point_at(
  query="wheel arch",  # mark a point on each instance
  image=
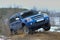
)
(23, 24)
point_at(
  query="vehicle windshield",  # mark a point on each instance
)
(30, 13)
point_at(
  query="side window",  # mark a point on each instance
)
(12, 20)
(16, 18)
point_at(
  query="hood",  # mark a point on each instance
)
(34, 18)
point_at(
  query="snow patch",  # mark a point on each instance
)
(53, 29)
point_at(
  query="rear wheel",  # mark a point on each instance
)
(13, 31)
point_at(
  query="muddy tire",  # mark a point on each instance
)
(13, 32)
(47, 27)
(25, 30)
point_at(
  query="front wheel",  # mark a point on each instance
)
(47, 27)
(26, 30)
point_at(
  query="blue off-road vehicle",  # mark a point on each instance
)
(29, 21)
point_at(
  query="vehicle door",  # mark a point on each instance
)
(16, 23)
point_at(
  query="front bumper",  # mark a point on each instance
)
(38, 25)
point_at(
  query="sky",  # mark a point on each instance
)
(40, 4)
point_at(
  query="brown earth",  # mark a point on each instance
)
(38, 36)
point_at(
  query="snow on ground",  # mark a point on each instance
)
(2, 37)
(53, 29)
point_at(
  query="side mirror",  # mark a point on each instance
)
(17, 18)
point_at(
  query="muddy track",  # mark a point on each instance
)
(38, 36)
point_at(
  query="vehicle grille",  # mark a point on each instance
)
(38, 23)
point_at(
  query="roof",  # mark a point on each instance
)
(18, 13)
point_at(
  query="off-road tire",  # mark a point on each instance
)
(26, 30)
(47, 27)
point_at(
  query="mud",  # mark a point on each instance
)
(37, 36)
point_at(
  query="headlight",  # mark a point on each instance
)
(47, 18)
(28, 19)
(31, 23)
(39, 12)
